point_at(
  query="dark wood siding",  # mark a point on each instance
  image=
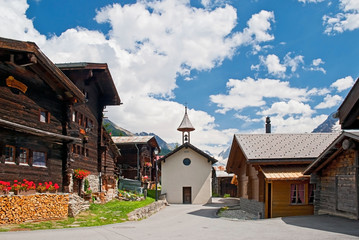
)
(338, 191)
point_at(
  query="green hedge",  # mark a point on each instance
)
(152, 193)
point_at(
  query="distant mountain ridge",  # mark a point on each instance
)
(117, 131)
(331, 124)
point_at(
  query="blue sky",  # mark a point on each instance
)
(232, 62)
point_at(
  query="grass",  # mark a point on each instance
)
(114, 211)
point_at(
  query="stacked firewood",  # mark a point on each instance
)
(17, 209)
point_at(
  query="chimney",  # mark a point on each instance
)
(268, 125)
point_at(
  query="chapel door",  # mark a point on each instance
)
(187, 195)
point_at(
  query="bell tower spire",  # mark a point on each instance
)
(185, 127)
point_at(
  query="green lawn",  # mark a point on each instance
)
(114, 211)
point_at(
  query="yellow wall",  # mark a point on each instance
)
(281, 206)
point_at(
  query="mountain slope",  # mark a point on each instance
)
(331, 124)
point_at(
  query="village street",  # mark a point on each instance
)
(201, 222)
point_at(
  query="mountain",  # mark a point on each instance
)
(119, 131)
(225, 153)
(331, 124)
(165, 147)
(114, 129)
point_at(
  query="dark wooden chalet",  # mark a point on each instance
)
(35, 98)
(137, 156)
(335, 171)
(269, 170)
(95, 82)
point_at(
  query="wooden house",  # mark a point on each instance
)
(95, 82)
(35, 99)
(335, 171)
(222, 182)
(269, 170)
(137, 156)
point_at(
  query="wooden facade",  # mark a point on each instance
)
(96, 150)
(335, 174)
(270, 181)
(137, 156)
(51, 118)
(34, 97)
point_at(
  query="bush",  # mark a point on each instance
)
(226, 195)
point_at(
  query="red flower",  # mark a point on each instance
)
(15, 180)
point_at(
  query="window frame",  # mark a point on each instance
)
(26, 157)
(33, 158)
(297, 194)
(46, 114)
(13, 153)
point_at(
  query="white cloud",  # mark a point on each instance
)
(296, 124)
(273, 65)
(277, 69)
(343, 83)
(310, 1)
(317, 62)
(252, 93)
(149, 45)
(346, 20)
(288, 108)
(329, 101)
(315, 66)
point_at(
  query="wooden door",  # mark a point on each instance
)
(187, 195)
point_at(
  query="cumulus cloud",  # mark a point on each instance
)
(343, 83)
(315, 66)
(329, 101)
(288, 108)
(346, 20)
(310, 1)
(150, 44)
(253, 93)
(274, 66)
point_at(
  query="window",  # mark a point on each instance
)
(24, 155)
(79, 120)
(44, 116)
(74, 113)
(311, 193)
(9, 153)
(297, 194)
(38, 158)
(186, 161)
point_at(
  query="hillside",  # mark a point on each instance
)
(118, 131)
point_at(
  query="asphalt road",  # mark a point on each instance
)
(200, 222)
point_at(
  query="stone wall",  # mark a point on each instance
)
(18, 209)
(147, 211)
(252, 206)
(76, 205)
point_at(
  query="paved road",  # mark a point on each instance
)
(200, 222)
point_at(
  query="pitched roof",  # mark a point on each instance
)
(331, 150)
(186, 124)
(38, 66)
(284, 172)
(348, 112)
(126, 140)
(269, 147)
(188, 145)
(99, 71)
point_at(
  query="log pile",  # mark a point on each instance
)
(39, 207)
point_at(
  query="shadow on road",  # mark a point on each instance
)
(325, 223)
(208, 213)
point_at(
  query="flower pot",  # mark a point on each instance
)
(29, 192)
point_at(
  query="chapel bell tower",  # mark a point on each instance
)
(185, 127)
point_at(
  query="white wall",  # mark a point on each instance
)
(175, 175)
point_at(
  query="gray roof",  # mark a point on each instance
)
(284, 146)
(186, 124)
(331, 150)
(132, 139)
